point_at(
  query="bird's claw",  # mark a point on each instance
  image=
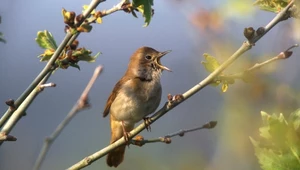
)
(147, 121)
(126, 135)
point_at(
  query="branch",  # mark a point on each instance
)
(171, 104)
(282, 55)
(81, 104)
(50, 65)
(140, 141)
(19, 112)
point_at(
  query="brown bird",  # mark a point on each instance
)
(136, 95)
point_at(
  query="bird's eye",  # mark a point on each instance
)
(148, 57)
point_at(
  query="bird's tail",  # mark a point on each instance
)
(115, 157)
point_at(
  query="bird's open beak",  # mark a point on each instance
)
(158, 63)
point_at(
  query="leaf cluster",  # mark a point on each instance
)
(144, 7)
(272, 5)
(278, 5)
(278, 146)
(70, 56)
(71, 20)
(211, 64)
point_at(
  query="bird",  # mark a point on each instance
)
(136, 95)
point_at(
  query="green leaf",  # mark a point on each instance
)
(210, 63)
(279, 148)
(295, 119)
(265, 117)
(46, 55)
(224, 87)
(271, 5)
(45, 40)
(85, 55)
(74, 65)
(144, 7)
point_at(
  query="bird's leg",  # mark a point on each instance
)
(126, 134)
(147, 121)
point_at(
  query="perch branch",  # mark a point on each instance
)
(81, 104)
(170, 105)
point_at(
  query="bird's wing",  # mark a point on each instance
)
(113, 95)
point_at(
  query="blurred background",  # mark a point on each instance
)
(189, 29)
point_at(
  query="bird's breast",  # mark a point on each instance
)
(135, 100)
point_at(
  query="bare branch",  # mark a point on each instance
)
(81, 104)
(140, 141)
(282, 55)
(169, 106)
(116, 8)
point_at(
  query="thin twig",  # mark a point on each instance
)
(167, 107)
(49, 67)
(140, 141)
(81, 104)
(282, 55)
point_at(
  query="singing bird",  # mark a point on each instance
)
(136, 95)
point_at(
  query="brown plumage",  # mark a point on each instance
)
(136, 95)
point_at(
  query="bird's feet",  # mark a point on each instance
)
(126, 135)
(147, 121)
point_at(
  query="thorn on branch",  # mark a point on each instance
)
(84, 103)
(11, 104)
(4, 137)
(43, 86)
